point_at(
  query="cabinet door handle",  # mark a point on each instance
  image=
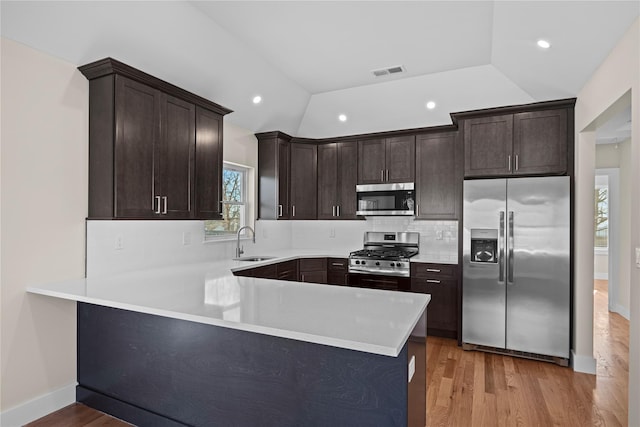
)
(157, 204)
(293, 210)
(387, 175)
(164, 205)
(279, 210)
(509, 162)
(338, 210)
(302, 277)
(417, 210)
(382, 175)
(433, 281)
(516, 162)
(433, 270)
(333, 211)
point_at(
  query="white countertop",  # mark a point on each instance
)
(369, 320)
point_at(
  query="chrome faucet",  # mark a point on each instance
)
(240, 250)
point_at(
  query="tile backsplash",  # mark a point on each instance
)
(119, 246)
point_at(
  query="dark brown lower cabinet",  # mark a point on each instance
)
(287, 270)
(264, 272)
(313, 270)
(441, 282)
(337, 271)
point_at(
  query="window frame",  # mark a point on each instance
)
(243, 203)
(601, 249)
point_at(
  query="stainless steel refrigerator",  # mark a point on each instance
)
(516, 265)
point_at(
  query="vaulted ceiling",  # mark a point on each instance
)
(311, 61)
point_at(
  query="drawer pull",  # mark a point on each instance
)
(337, 264)
(433, 270)
(433, 281)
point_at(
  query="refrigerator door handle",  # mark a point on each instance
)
(510, 250)
(501, 249)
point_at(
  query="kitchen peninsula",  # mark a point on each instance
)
(195, 345)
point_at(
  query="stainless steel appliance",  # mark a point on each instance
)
(385, 199)
(516, 266)
(385, 253)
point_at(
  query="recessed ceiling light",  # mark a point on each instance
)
(257, 99)
(342, 118)
(431, 105)
(544, 44)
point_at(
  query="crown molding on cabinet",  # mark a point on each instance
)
(107, 66)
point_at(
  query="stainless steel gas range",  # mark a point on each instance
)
(385, 253)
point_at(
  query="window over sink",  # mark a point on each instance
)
(235, 181)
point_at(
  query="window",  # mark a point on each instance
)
(234, 203)
(601, 220)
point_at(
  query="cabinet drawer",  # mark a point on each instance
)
(426, 270)
(313, 264)
(337, 265)
(426, 286)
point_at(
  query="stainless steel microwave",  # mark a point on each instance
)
(385, 199)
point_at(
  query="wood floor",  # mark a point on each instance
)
(469, 388)
(482, 389)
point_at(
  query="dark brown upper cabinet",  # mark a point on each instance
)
(208, 162)
(438, 176)
(523, 143)
(273, 175)
(386, 160)
(155, 150)
(303, 185)
(337, 178)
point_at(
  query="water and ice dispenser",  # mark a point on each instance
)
(484, 245)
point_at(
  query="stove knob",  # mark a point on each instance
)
(362, 262)
(392, 265)
(377, 263)
(398, 264)
(357, 262)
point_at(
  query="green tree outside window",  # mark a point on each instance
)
(601, 220)
(234, 179)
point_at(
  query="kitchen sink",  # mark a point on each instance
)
(254, 258)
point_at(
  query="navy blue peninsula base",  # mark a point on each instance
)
(152, 370)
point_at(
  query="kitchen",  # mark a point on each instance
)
(63, 251)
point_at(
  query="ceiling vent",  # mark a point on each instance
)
(388, 71)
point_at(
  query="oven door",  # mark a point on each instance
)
(385, 199)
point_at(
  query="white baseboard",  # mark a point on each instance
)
(584, 364)
(622, 311)
(38, 407)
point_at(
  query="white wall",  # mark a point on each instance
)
(44, 202)
(618, 74)
(610, 156)
(44, 154)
